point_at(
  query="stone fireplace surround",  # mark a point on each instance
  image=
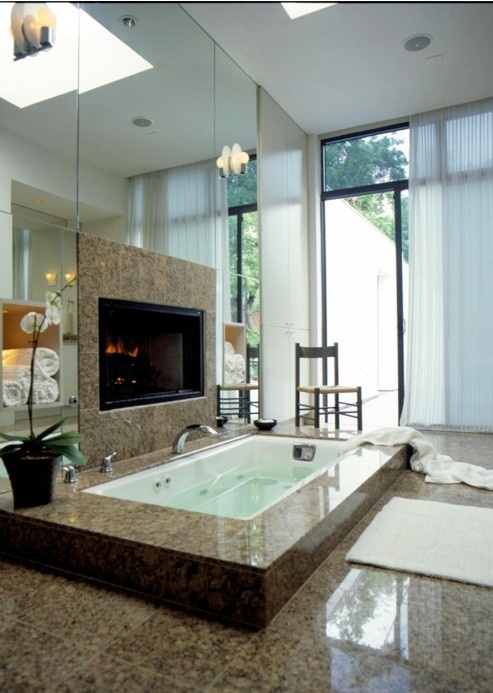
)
(129, 273)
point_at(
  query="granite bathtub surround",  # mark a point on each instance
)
(130, 273)
(235, 570)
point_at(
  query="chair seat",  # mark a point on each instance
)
(239, 386)
(328, 389)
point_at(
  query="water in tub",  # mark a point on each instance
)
(238, 479)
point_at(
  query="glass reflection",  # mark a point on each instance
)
(368, 616)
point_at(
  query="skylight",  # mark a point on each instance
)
(54, 72)
(299, 9)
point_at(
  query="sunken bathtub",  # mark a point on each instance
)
(235, 538)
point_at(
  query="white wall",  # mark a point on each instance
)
(361, 299)
(284, 266)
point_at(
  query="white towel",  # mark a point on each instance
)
(438, 469)
(45, 391)
(47, 361)
(12, 393)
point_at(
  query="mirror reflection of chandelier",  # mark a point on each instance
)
(33, 26)
(232, 161)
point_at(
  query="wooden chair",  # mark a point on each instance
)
(236, 399)
(320, 393)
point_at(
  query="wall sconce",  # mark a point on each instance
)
(50, 278)
(232, 161)
(69, 277)
(32, 26)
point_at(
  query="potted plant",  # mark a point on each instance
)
(32, 462)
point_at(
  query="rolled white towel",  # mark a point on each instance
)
(228, 348)
(229, 362)
(12, 393)
(239, 362)
(45, 391)
(20, 374)
(47, 361)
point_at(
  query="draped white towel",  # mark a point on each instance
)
(438, 468)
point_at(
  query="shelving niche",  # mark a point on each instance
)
(13, 337)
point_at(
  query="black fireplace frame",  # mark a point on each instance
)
(192, 317)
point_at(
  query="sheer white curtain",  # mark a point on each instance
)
(147, 212)
(22, 263)
(176, 212)
(449, 370)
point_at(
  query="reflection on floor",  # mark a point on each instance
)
(350, 628)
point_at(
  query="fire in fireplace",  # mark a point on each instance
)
(149, 353)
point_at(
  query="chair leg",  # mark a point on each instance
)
(316, 413)
(218, 403)
(297, 409)
(360, 409)
(336, 412)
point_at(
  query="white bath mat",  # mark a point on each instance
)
(429, 538)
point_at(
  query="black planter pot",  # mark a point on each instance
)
(32, 476)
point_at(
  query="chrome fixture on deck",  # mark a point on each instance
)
(304, 452)
(180, 439)
(106, 467)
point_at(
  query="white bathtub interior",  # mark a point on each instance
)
(238, 479)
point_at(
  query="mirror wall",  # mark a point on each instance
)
(71, 160)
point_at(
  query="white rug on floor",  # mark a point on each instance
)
(429, 538)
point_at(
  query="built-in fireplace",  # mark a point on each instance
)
(149, 353)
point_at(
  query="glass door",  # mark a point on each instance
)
(365, 267)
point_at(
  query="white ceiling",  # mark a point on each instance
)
(344, 66)
(338, 69)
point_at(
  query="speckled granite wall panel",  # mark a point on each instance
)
(128, 273)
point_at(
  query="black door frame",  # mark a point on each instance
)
(396, 188)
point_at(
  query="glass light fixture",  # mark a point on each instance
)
(32, 26)
(232, 161)
(51, 278)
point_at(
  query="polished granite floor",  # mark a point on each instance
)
(348, 629)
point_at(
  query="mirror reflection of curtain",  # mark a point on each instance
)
(22, 263)
(147, 212)
(449, 378)
(175, 212)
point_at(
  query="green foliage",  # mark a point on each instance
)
(242, 190)
(369, 161)
(364, 161)
(64, 443)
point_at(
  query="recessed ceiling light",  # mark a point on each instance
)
(417, 43)
(128, 20)
(142, 122)
(299, 9)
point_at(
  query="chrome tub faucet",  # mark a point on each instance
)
(180, 439)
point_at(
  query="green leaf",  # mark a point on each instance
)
(6, 436)
(71, 452)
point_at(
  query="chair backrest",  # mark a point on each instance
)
(252, 363)
(322, 352)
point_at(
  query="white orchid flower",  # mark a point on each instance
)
(33, 321)
(53, 307)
